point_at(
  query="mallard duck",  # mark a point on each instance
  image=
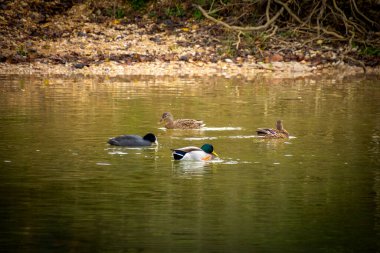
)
(204, 153)
(170, 123)
(133, 140)
(278, 133)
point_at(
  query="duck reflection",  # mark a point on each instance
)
(192, 168)
(118, 150)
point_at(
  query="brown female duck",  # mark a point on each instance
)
(277, 133)
(170, 123)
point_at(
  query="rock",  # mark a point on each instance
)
(80, 65)
(155, 39)
(300, 55)
(330, 55)
(239, 59)
(274, 58)
(18, 58)
(184, 58)
(277, 58)
(81, 34)
(3, 58)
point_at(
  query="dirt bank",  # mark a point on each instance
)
(81, 42)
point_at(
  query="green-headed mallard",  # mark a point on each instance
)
(170, 123)
(278, 133)
(204, 153)
(133, 140)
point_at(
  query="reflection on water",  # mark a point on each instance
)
(191, 168)
(64, 189)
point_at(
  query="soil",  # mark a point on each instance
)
(46, 40)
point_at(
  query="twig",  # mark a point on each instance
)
(212, 4)
(239, 40)
(350, 41)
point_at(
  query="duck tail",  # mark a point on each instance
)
(178, 154)
(264, 131)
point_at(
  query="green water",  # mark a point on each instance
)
(64, 189)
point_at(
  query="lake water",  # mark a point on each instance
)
(64, 189)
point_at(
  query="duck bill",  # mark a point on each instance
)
(156, 142)
(215, 154)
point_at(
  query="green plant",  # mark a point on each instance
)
(229, 48)
(176, 11)
(370, 51)
(138, 4)
(286, 34)
(21, 50)
(197, 14)
(119, 13)
(115, 12)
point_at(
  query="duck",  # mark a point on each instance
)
(133, 140)
(204, 153)
(170, 123)
(278, 133)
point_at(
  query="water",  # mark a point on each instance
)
(64, 189)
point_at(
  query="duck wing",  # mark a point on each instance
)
(180, 153)
(188, 149)
(272, 133)
(188, 123)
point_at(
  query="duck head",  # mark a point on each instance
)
(279, 125)
(281, 128)
(209, 149)
(151, 137)
(167, 116)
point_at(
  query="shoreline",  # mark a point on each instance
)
(181, 68)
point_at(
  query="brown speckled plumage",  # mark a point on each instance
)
(170, 123)
(277, 133)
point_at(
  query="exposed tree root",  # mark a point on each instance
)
(240, 28)
(325, 20)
